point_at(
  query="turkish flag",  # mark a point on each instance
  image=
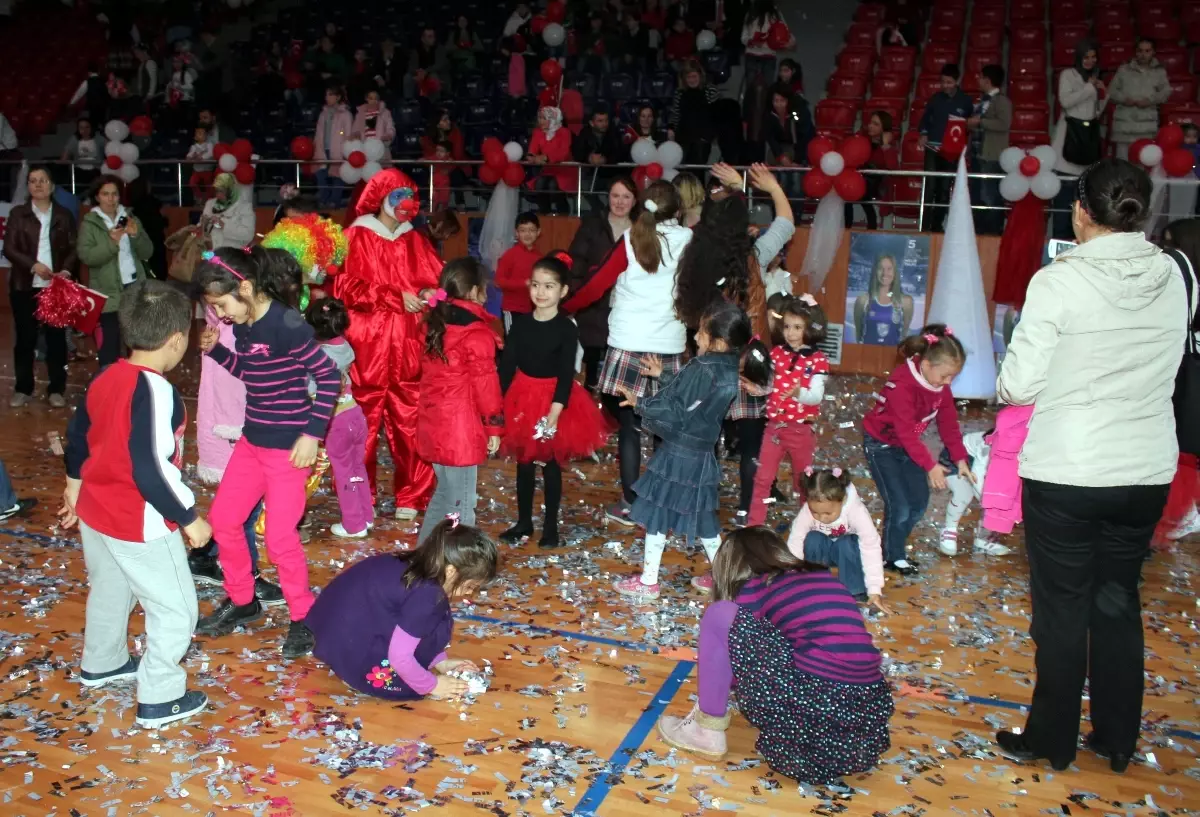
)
(95, 305)
(954, 139)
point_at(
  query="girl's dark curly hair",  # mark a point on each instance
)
(719, 261)
(459, 277)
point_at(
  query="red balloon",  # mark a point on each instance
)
(556, 12)
(244, 173)
(1178, 162)
(242, 149)
(489, 174)
(518, 43)
(496, 160)
(654, 171)
(513, 175)
(113, 162)
(551, 72)
(219, 150)
(491, 145)
(639, 178)
(816, 183)
(548, 96)
(538, 24)
(1169, 137)
(856, 150)
(1029, 166)
(850, 185)
(141, 126)
(778, 35)
(303, 148)
(1135, 149)
(293, 80)
(357, 159)
(818, 147)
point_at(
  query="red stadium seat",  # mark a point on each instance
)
(1178, 114)
(1023, 10)
(936, 55)
(1183, 90)
(1149, 10)
(893, 107)
(977, 59)
(1063, 55)
(989, 16)
(874, 13)
(861, 34)
(1027, 36)
(915, 111)
(928, 85)
(1111, 14)
(1174, 58)
(835, 113)
(846, 86)
(1031, 119)
(898, 58)
(1068, 10)
(1192, 34)
(889, 84)
(1114, 55)
(1190, 13)
(911, 153)
(985, 37)
(1165, 32)
(1027, 90)
(946, 33)
(856, 60)
(949, 15)
(1029, 140)
(1027, 63)
(1070, 32)
(1114, 31)
(906, 188)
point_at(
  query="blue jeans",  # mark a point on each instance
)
(904, 487)
(329, 188)
(8, 497)
(841, 552)
(251, 538)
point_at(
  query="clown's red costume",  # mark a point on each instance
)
(386, 260)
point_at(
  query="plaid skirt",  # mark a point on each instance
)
(746, 406)
(623, 368)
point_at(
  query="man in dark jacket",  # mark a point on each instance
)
(597, 145)
(947, 104)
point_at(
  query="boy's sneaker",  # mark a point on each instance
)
(902, 566)
(989, 545)
(339, 530)
(268, 593)
(948, 544)
(619, 512)
(299, 641)
(703, 583)
(1190, 525)
(228, 617)
(739, 519)
(632, 586)
(22, 508)
(406, 514)
(206, 570)
(152, 716)
(122, 673)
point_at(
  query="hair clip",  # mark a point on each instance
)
(808, 300)
(777, 316)
(948, 332)
(931, 338)
(288, 192)
(817, 326)
(453, 518)
(212, 258)
(325, 306)
(756, 354)
(808, 472)
(563, 256)
(837, 473)
(650, 206)
(721, 283)
(436, 297)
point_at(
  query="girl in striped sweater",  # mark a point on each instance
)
(274, 355)
(788, 635)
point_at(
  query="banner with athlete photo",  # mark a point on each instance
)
(886, 287)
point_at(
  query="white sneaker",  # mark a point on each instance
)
(1190, 525)
(339, 530)
(990, 547)
(406, 514)
(18, 400)
(948, 544)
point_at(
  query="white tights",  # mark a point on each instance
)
(962, 491)
(656, 543)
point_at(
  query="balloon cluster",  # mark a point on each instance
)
(501, 162)
(550, 24)
(237, 158)
(363, 158)
(835, 167)
(120, 155)
(654, 163)
(1165, 149)
(1029, 172)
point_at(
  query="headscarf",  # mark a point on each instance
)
(225, 183)
(553, 118)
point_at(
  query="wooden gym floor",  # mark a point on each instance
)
(580, 678)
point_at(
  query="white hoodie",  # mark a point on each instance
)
(1096, 352)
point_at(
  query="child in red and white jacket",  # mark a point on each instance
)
(460, 412)
(904, 469)
(515, 268)
(795, 400)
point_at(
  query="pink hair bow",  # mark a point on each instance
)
(837, 473)
(932, 338)
(436, 297)
(949, 331)
(808, 300)
(808, 472)
(453, 518)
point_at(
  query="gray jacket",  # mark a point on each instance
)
(996, 123)
(1133, 83)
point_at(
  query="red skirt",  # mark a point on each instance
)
(1181, 501)
(582, 427)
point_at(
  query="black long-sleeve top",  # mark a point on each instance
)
(541, 349)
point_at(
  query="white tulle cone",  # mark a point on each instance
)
(824, 238)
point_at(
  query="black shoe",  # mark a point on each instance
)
(549, 540)
(1017, 747)
(206, 570)
(902, 566)
(517, 532)
(777, 495)
(153, 716)
(122, 673)
(228, 617)
(1117, 761)
(267, 593)
(22, 508)
(299, 641)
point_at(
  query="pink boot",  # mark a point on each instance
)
(699, 734)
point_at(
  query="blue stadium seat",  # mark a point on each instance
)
(619, 87)
(582, 82)
(660, 85)
(407, 114)
(716, 63)
(472, 86)
(479, 112)
(408, 144)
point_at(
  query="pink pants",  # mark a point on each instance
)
(796, 441)
(344, 445)
(252, 474)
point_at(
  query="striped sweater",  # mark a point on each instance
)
(818, 615)
(274, 357)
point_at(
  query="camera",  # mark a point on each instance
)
(122, 222)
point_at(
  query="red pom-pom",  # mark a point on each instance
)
(817, 184)
(1029, 166)
(357, 159)
(62, 303)
(113, 162)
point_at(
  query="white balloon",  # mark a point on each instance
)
(112, 148)
(706, 40)
(370, 169)
(1151, 155)
(670, 155)
(669, 174)
(1010, 159)
(554, 35)
(1046, 155)
(1014, 187)
(514, 151)
(128, 173)
(643, 152)
(832, 163)
(349, 174)
(116, 130)
(374, 149)
(228, 163)
(1045, 185)
(128, 152)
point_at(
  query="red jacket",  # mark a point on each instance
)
(513, 272)
(460, 404)
(905, 407)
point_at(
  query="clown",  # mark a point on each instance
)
(390, 271)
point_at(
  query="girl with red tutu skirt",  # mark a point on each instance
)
(548, 417)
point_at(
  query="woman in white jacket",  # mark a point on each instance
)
(1080, 96)
(1096, 352)
(640, 271)
(228, 219)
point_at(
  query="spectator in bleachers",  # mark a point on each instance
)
(594, 46)
(441, 130)
(374, 121)
(654, 15)
(389, 68)
(787, 129)
(889, 34)
(517, 20)
(597, 145)
(85, 150)
(690, 120)
(325, 63)
(680, 44)
(1191, 141)
(949, 102)
(439, 227)
(643, 126)
(213, 61)
(551, 144)
(426, 68)
(463, 46)
(1138, 88)
(990, 124)
(337, 37)
(333, 129)
(218, 131)
(441, 175)
(360, 75)
(1082, 97)
(200, 156)
(181, 87)
(791, 75)
(884, 156)
(636, 54)
(759, 59)
(94, 91)
(145, 78)
(691, 198)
